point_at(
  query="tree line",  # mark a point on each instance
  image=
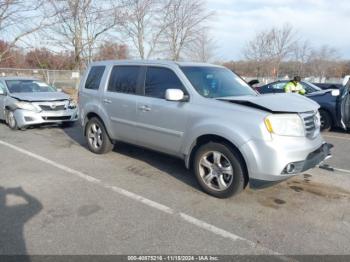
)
(280, 51)
(171, 29)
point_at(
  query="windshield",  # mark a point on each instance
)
(28, 86)
(315, 87)
(216, 82)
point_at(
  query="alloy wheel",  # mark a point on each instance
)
(216, 170)
(95, 136)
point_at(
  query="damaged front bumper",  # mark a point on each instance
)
(27, 118)
(312, 160)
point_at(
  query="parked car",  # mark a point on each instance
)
(204, 114)
(331, 101)
(326, 86)
(26, 102)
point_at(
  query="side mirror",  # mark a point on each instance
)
(174, 95)
(59, 90)
(2, 92)
(253, 82)
(335, 92)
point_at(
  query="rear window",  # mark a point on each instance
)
(94, 78)
(124, 79)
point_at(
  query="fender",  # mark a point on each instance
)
(235, 136)
(95, 108)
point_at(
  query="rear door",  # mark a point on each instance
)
(119, 101)
(161, 123)
(2, 100)
(344, 106)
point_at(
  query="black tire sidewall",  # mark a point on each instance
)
(107, 145)
(15, 127)
(67, 124)
(327, 120)
(236, 161)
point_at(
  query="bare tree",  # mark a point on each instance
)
(18, 20)
(202, 48)
(109, 51)
(283, 42)
(185, 20)
(302, 53)
(322, 61)
(271, 47)
(80, 24)
(144, 24)
(258, 50)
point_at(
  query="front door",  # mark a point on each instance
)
(119, 101)
(2, 100)
(161, 123)
(344, 106)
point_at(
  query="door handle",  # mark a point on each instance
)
(107, 101)
(145, 108)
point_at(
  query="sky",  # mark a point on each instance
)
(321, 22)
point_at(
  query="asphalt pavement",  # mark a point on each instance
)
(56, 197)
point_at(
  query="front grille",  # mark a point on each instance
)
(311, 123)
(58, 118)
(52, 108)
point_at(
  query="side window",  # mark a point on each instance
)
(94, 78)
(279, 86)
(158, 80)
(124, 79)
(2, 87)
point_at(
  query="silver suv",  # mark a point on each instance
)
(207, 116)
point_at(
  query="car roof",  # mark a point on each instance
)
(151, 62)
(18, 78)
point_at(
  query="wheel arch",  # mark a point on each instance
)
(329, 112)
(206, 138)
(91, 115)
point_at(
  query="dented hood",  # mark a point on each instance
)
(40, 97)
(283, 103)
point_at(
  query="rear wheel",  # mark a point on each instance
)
(326, 120)
(219, 170)
(97, 138)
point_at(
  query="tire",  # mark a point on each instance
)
(326, 120)
(11, 120)
(67, 124)
(219, 160)
(97, 138)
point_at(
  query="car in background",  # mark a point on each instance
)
(326, 86)
(334, 108)
(26, 102)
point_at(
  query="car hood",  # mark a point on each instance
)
(39, 97)
(275, 103)
(319, 93)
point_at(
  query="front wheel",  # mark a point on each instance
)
(11, 120)
(326, 120)
(219, 170)
(97, 138)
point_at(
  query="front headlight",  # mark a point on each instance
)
(72, 104)
(285, 125)
(26, 106)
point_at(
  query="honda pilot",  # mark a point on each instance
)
(229, 135)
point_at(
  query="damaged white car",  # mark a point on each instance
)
(27, 102)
